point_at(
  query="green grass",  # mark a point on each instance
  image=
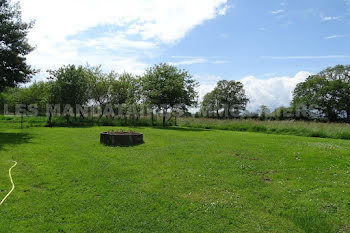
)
(298, 128)
(179, 180)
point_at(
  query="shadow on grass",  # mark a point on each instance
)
(13, 139)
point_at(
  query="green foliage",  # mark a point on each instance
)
(228, 96)
(13, 46)
(327, 92)
(168, 87)
(126, 93)
(283, 113)
(211, 104)
(70, 86)
(232, 96)
(264, 111)
(99, 85)
(35, 95)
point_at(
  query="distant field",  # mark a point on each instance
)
(297, 128)
(179, 180)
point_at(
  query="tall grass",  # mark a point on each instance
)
(299, 128)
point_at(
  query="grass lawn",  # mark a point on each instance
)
(179, 180)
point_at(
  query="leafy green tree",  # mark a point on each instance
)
(339, 87)
(168, 87)
(70, 87)
(2, 102)
(327, 92)
(14, 46)
(264, 111)
(11, 97)
(133, 94)
(232, 97)
(35, 95)
(283, 113)
(211, 103)
(99, 87)
(120, 92)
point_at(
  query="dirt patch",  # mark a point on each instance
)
(266, 179)
(264, 176)
(121, 133)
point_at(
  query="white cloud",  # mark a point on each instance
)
(96, 31)
(272, 92)
(335, 36)
(207, 83)
(190, 60)
(276, 12)
(330, 18)
(220, 62)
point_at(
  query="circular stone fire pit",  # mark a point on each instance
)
(121, 138)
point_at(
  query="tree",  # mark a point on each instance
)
(211, 103)
(99, 86)
(119, 92)
(36, 95)
(14, 46)
(327, 92)
(263, 112)
(126, 93)
(232, 97)
(283, 113)
(70, 87)
(339, 80)
(168, 87)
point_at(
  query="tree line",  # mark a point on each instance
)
(71, 90)
(163, 89)
(324, 97)
(168, 91)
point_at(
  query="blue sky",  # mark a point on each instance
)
(270, 46)
(261, 38)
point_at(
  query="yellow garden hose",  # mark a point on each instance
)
(13, 185)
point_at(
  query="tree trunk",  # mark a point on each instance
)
(67, 118)
(164, 116)
(152, 117)
(331, 115)
(75, 112)
(22, 120)
(217, 113)
(49, 120)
